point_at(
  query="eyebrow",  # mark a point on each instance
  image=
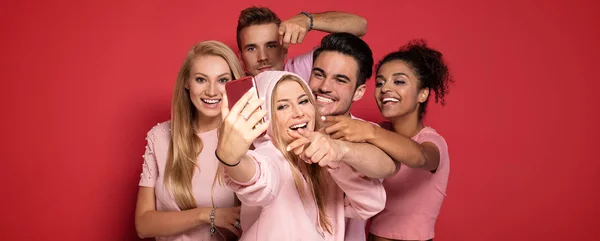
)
(255, 45)
(221, 75)
(287, 100)
(394, 74)
(341, 76)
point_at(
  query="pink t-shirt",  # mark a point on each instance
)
(301, 65)
(414, 196)
(355, 228)
(153, 167)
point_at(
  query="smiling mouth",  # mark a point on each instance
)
(388, 100)
(211, 101)
(324, 99)
(298, 126)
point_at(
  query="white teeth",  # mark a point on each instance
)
(389, 99)
(208, 101)
(323, 99)
(301, 125)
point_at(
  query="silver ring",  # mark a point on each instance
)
(244, 116)
(237, 224)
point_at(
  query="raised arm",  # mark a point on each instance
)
(367, 159)
(400, 148)
(293, 30)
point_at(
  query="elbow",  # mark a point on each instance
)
(363, 27)
(141, 231)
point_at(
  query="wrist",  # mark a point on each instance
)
(372, 133)
(226, 159)
(309, 20)
(342, 149)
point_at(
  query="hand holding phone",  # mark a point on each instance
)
(235, 89)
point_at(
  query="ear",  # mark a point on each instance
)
(423, 95)
(359, 92)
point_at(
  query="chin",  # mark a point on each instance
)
(210, 113)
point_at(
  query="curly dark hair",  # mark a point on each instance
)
(429, 67)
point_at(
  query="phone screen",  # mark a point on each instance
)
(235, 89)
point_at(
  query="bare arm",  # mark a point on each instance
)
(333, 22)
(293, 30)
(404, 150)
(367, 159)
(152, 223)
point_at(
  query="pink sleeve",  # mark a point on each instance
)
(438, 141)
(365, 197)
(262, 188)
(149, 166)
(301, 65)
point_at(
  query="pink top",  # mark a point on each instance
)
(271, 206)
(155, 159)
(302, 66)
(415, 197)
(355, 228)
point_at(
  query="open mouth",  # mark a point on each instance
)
(324, 99)
(298, 126)
(388, 100)
(211, 101)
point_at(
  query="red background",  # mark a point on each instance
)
(82, 82)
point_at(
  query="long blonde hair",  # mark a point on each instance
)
(313, 174)
(185, 144)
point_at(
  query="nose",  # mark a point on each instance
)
(325, 86)
(297, 112)
(212, 89)
(262, 55)
(386, 87)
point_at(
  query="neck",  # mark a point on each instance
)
(408, 125)
(204, 124)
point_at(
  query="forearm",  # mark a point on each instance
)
(368, 159)
(400, 148)
(333, 22)
(242, 172)
(161, 224)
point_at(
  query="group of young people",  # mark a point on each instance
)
(311, 170)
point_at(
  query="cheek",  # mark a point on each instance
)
(281, 120)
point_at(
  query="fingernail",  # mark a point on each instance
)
(322, 117)
(251, 89)
(287, 148)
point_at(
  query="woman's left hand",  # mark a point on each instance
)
(239, 127)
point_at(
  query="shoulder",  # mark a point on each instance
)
(161, 131)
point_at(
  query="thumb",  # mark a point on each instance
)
(224, 106)
(293, 134)
(307, 134)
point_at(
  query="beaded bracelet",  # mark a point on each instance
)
(310, 27)
(212, 220)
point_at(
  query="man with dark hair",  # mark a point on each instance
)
(340, 67)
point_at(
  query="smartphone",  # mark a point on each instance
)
(235, 89)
